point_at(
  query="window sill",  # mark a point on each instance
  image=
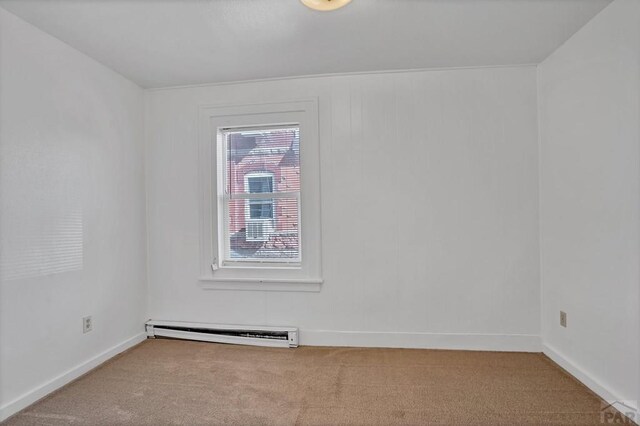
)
(261, 284)
(264, 265)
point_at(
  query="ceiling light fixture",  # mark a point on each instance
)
(325, 5)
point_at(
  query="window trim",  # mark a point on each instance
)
(305, 275)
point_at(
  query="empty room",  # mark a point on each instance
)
(319, 212)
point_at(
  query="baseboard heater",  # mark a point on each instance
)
(280, 337)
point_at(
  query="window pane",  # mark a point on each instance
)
(260, 161)
(271, 233)
(260, 209)
(260, 184)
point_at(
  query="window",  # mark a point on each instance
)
(259, 220)
(260, 211)
(261, 194)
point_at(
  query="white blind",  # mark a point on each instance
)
(262, 194)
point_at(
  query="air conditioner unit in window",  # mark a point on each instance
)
(259, 230)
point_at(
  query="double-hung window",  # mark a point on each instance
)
(261, 195)
(260, 203)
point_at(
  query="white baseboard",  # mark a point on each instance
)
(457, 341)
(604, 392)
(23, 401)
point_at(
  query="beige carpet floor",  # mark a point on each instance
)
(171, 382)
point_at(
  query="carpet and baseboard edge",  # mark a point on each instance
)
(12, 407)
(484, 342)
(608, 395)
(417, 340)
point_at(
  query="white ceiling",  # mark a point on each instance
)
(160, 43)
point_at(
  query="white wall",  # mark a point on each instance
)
(590, 184)
(72, 213)
(442, 164)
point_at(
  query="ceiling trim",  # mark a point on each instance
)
(339, 74)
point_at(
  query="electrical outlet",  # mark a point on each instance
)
(563, 319)
(87, 324)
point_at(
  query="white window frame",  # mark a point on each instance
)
(304, 274)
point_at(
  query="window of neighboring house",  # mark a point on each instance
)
(259, 168)
(261, 194)
(259, 218)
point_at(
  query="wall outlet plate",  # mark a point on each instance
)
(87, 324)
(563, 319)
